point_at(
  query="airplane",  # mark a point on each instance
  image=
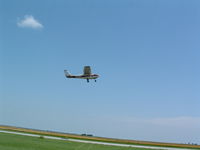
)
(86, 74)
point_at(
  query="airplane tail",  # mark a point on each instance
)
(67, 74)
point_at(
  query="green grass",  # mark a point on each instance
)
(99, 139)
(19, 142)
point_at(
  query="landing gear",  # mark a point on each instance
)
(89, 80)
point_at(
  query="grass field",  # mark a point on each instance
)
(93, 138)
(19, 142)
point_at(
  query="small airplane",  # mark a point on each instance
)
(86, 74)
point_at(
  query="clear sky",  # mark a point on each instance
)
(147, 53)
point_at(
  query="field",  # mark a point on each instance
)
(19, 142)
(76, 136)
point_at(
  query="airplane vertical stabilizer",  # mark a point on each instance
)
(66, 73)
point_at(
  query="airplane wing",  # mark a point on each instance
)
(87, 70)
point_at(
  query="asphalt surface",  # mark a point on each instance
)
(94, 142)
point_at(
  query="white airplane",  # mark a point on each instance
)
(86, 74)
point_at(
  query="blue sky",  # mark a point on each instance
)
(146, 53)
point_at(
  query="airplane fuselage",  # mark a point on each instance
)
(92, 76)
